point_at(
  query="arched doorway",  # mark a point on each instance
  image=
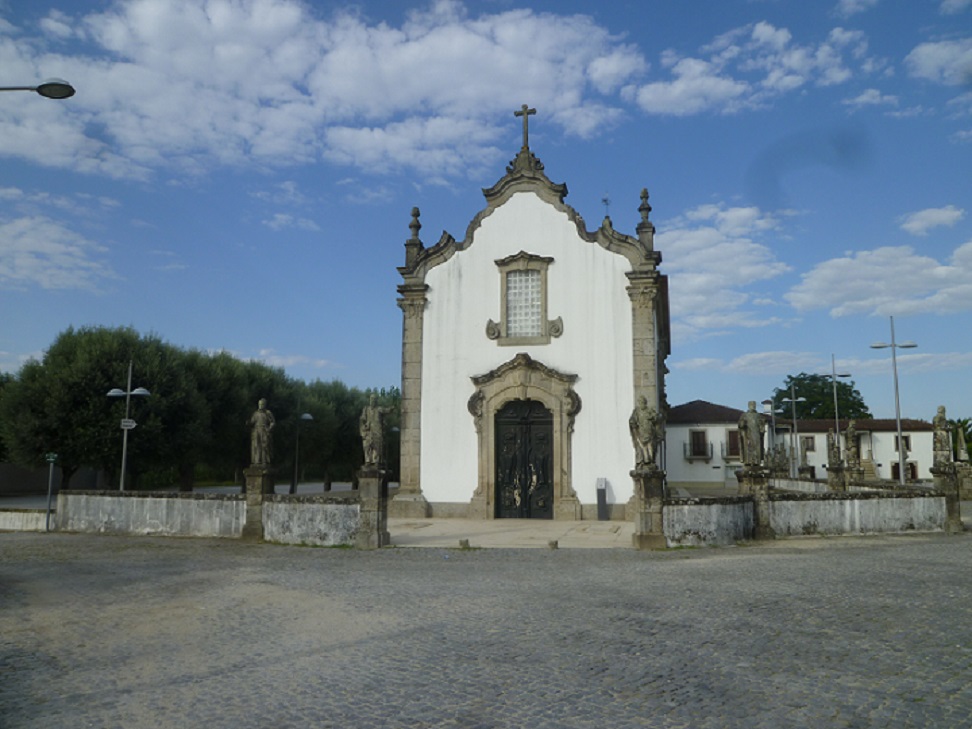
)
(524, 451)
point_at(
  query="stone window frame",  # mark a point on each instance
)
(497, 331)
(691, 453)
(730, 453)
(808, 443)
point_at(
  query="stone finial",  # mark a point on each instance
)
(413, 246)
(644, 208)
(646, 229)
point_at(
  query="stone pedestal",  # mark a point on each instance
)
(836, 480)
(754, 481)
(408, 505)
(649, 527)
(946, 481)
(373, 524)
(853, 476)
(805, 472)
(259, 483)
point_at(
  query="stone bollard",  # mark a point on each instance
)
(649, 528)
(754, 481)
(259, 482)
(373, 524)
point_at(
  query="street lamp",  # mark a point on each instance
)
(127, 424)
(897, 402)
(834, 374)
(795, 435)
(293, 484)
(52, 88)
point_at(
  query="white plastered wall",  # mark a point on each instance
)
(586, 288)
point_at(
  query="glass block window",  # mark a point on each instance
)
(524, 303)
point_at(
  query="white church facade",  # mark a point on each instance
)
(525, 347)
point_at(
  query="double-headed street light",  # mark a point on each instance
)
(897, 402)
(834, 374)
(126, 424)
(52, 88)
(793, 400)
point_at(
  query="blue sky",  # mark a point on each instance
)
(238, 174)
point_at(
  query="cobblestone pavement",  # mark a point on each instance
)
(108, 632)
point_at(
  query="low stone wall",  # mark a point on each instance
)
(343, 518)
(707, 522)
(24, 520)
(721, 521)
(151, 513)
(319, 520)
(858, 513)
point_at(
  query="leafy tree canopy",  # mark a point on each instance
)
(818, 393)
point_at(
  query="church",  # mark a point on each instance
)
(525, 347)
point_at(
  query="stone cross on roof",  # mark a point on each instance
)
(525, 111)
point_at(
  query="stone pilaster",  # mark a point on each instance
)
(259, 483)
(754, 481)
(409, 501)
(643, 292)
(649, 526)
(373, 519)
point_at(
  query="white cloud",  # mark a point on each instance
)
(762, 363)
(951, 7)
(748, 67)
(711, 256)
(273, 359)
(846, 8)
(946, 62)
(871, 97)
(38, 251)
(281, 221)
(888, 281)
(921, 222)
(197, 82)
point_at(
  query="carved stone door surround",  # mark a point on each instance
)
(523, 378)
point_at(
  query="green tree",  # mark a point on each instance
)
(962, 429)
(818, 393)
(5, 379)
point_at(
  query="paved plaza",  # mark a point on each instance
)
(100, 631)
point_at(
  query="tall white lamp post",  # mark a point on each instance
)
(126, 424)
(303, 418)
(897, 402)
(793, 400)
(834, 374)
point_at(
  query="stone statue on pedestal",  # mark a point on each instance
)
(942, 438)
(751, 428)
(646, 433)
(850, 437)
(371, 426)
(261, 441)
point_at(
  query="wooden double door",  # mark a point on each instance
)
(524, 457)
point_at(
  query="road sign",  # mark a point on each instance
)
(50, 457)
(127, 424)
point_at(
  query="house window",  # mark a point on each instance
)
(808, 443)
(732, 451)
(698, 447)
(523, 302)
(907, 443)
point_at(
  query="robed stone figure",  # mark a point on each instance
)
(371, 426)
(646, 433)
(751, 428)
(261, 441)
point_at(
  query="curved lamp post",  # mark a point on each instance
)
(52, 88)
(126, 424)
(293, 484)
(897, 402)
(834, 374)
(793, 400)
